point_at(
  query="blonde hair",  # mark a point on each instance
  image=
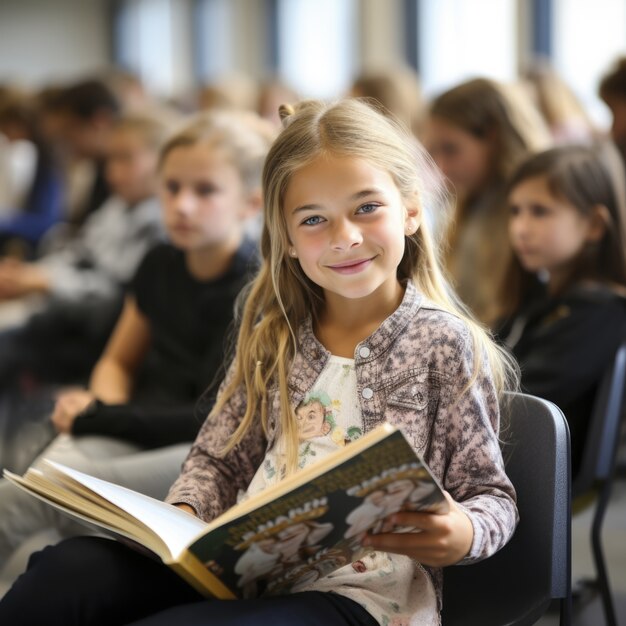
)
(554, 98)
(282, 296)
(152, 126)
(242, 136)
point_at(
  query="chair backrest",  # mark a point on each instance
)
(516, 585)
(600, 450)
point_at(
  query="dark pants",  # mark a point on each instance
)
(96, 581)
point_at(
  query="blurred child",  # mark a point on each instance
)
(36, 202)
(565, 116)
(397, 90)
(136, 421)
(350, 289)
(564, 296)
(81, 117)
(79, 287)
(478, 133)
(272, 92)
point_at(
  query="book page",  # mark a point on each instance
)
(115, 525)
(176, 528)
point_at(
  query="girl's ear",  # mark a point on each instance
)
(599, 220)
(412, 217)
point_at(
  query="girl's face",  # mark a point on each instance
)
(203, 196)
(131, 166)
(465, 159)
(547, 232)
(346, 222)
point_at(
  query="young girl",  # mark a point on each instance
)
(350, 302)
(478, 132)
(564, 294)
(136, 421)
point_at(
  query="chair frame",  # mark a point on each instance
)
(484, 593)
(598, 468)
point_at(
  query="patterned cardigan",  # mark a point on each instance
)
(412, 372)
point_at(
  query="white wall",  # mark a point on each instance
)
(43, 41)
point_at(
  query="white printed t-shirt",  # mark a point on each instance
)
(392, 588)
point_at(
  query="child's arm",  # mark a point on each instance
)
(464, 452)
(113, 376)
(209, 482)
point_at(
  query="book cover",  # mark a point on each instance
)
(286, 537)
(318, 526)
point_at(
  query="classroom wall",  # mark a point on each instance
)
(43, 41)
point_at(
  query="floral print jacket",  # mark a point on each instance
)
(413, 371)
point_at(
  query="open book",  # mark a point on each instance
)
(294, 532)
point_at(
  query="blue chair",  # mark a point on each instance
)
(517, 585)
(594, 480)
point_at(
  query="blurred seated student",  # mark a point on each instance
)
(613, 92)
(128, 88)
(36, 184)
(233, 92)
(477, 133)
(135, 422)
(564, 296)
(398, 90)
(77, 289)
(271, 93)
(79, 119)
(561, 109)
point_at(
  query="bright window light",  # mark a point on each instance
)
(588, 37)
(463, 39)
(317, 45)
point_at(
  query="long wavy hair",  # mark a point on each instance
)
(282, 297)
(504, 114)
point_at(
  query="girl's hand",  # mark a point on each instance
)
(68, 405)
(444, 538)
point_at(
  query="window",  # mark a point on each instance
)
(463, 39)
(150, 40)
(587, 38)
(317, 45)
(213, 40)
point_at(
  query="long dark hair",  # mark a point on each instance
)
(585, 177)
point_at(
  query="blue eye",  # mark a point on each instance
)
(314, 220)
(368, 208)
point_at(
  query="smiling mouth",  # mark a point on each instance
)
(351, 267)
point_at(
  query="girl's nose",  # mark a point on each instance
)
(345, 235)
(518, 226)
(183, 202)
